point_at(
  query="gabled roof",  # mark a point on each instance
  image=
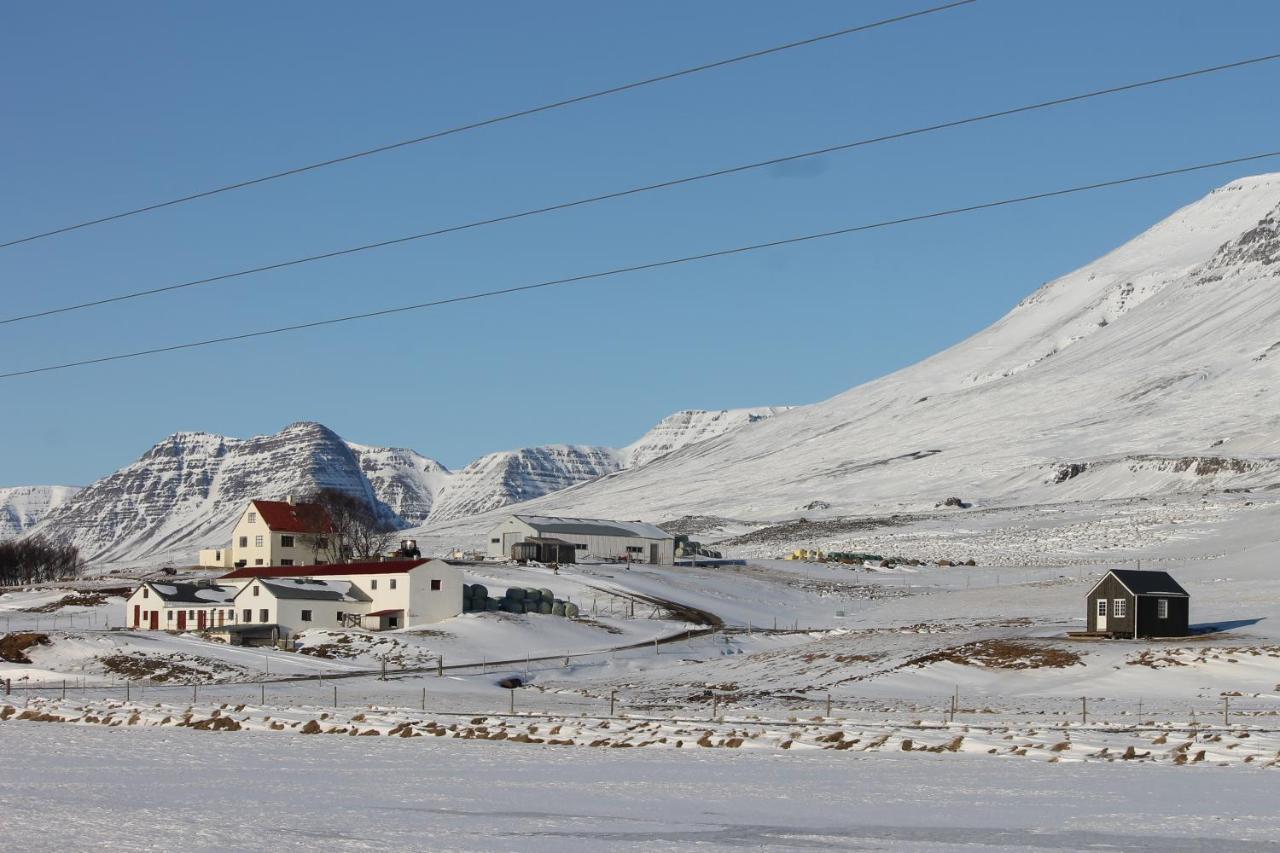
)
(594, 527)
(311, 589)
(285, 517)
(1148, 583)
(390, 567)
(185, 592)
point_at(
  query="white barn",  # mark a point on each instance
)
(637, 541)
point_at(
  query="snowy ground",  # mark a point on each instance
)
(67, 787)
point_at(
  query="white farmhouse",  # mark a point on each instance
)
(274, 533)
(381, 595)
(636, 541)
(180, 606)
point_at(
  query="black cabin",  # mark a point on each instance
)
(1131, 603)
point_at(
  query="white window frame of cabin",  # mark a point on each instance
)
(1162, 608)
(257, 541)
(252, 518)
(1102, 607)
(1118, 608)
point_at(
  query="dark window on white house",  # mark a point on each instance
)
(286, 562)
(253, 516)
(393, 622)
(146, 593)
(373, 584)
(286, 541)
(580, 546)
(248, 615)
(635, 549)
(257, 589)
(393, 583)
(306, 616)
(244, 541)
(495, 541)
(258, 562)
(435, 584)
(1162, 608)
(169, 616)
(264, 615)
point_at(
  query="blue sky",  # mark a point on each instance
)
(109, 106)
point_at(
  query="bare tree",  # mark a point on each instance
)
(37, 560)
(343, 527)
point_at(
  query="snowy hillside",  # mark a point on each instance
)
(22, 506)
(186, 491)
(405, 480)
(1150, 370)
(691, 426)
(511, 476)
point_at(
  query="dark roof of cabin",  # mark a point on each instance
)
(1149, 583)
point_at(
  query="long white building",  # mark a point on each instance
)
(636, 541)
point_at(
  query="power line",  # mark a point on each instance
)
(439, 134)
(674, 182)
(720, 253)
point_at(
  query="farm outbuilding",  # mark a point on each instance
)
(1132, 603)
(635, 541)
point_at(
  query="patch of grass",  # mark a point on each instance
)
(13, 647)
(79, 599)
(1001, 654)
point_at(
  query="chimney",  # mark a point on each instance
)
(289, 499)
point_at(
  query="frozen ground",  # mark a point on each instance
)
(69, 787)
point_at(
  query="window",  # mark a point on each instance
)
(257, 589)
(169, 616)
(1118, 608)
(435, 584)
(393, 583)
(580, 546)
(1102, 607)
(306, 616)
(191, 614)
(321, 544)
(286, 562)
(286, 541)
(1162, 608)
(264, 615)
(257, 541)
(244, 541)
(258, 562)
(495, 541)
(146, 593)
(341, 616)
(253, 517)
(635, 549)
(373, 584)
(393, 622)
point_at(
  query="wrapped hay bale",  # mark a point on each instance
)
(480, 591)
(557, 608)
(532, 594)
(492, 605)
(571, 610)
(544, 607)
(515, 593)
(547, 595)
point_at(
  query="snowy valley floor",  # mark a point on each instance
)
(74, 787)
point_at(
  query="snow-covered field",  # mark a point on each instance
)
(74, 787)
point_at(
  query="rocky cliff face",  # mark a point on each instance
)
(405, 480)
(21, 507)
(187, 490)
(512, 476)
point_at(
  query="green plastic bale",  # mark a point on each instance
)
(544, 608)
(547, 595)
(571, 610)
(517, 607)
(492, 604)
(479, 590)
(515, 593)
(532, 594)
(557, 609)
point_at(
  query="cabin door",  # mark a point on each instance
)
(182, 620)
(137, 615)
(155, 620)
(200, 619)
(1102, 614)
(653, 554)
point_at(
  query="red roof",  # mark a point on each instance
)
(389, 567)
(385, 612)
(295, 517)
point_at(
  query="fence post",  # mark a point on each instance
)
(424, 699)
(655, 645)
(8, 686)
(512, 691)
(1226, 711)
(335, 695)
(613, 695)
(1084, 710)
(195, 692)
(440, 666)
(64, 688)
(715, 705)
(128, 691)
(263, 686)
(828, 705)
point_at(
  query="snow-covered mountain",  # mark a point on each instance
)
(405, 480)
(22, 506)
(691, 426)
(186, 491)
(1153, 369)
(511, 476)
